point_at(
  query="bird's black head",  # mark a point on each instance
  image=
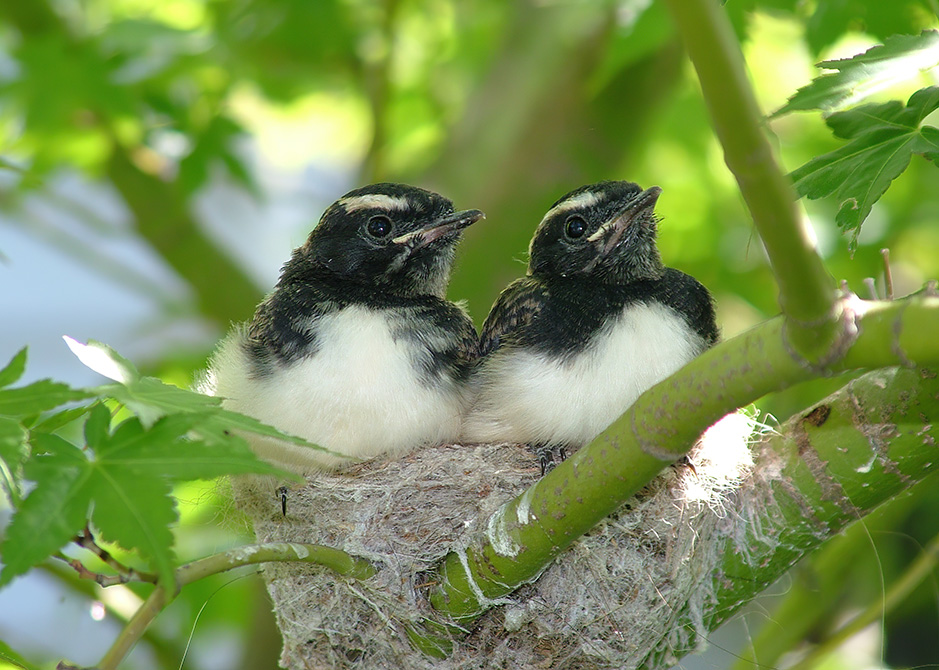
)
(605, 231)
(392, 237)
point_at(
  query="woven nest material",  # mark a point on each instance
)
(630, 592)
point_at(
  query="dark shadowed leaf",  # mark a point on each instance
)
(831, 20)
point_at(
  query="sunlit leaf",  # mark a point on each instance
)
(898, 58)
(103, 359)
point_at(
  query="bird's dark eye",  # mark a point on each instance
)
(575, 226)
(379, 226)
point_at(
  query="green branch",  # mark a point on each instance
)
(816, 474)
(527, 533)
(823, 470)
(338, 561)
(807, 291)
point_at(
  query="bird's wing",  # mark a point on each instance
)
(687, 296)
(516, 307)
(468, 340)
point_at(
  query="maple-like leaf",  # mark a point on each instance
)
(883, 137)
(37, 397)
(121, 481)
(54, 511)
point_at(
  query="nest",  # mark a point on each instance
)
(631, 592)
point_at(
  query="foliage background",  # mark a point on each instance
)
(160, 160)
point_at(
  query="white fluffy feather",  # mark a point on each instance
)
(360, 394)
(528, 397)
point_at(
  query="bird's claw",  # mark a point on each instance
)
(549, 456)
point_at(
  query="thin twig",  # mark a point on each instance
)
(888, 276)
(125, 573)
(102, 579)
(335, 559)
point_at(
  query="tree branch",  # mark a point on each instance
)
(806, 290)
(823, 470)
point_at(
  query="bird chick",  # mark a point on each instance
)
(356, 349)
(597, 321)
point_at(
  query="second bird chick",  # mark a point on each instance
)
(598, 320)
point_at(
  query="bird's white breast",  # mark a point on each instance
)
(530, 397)
(360, 394)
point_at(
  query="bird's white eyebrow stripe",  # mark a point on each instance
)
(581, 200)
(373, 201)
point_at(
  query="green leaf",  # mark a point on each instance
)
(126, 484)
(151, 399)
(883, 138)
(96, 426)
(53, 422)
(850, 124)
(14, 369)
(13, 448)
(14, 660)
(136, 511)
(898, 58)
(13, 453)
(832, 20)
(103, 359)
(37, 397)
(164, 449)
(215, 144)
(54, 511)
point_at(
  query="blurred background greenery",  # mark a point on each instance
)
(160, 159)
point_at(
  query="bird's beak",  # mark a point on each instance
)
(436, 229)
(609, 234)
